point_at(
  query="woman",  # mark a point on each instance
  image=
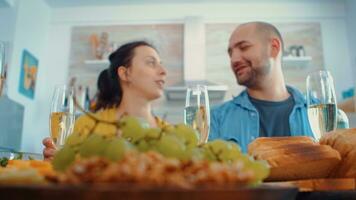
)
(137, 77)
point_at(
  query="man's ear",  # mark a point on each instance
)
(276, 47)
(122, 73)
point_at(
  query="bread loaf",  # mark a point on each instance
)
(344, 141)
(295, 158)
(266, 143)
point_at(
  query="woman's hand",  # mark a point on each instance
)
(49, 150)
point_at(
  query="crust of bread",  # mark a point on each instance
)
(295, 158)
(344, 141)
(265, 143)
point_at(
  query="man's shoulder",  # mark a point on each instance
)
(227, 106)
(223, 104)
(298, 96)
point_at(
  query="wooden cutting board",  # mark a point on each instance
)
(326, 184)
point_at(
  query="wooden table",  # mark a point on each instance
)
(273, 191)
(107, 192)
(326, 189)
(328, 195)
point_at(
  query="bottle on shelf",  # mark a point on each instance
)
(87, 99)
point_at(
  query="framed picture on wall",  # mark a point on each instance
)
(28, 74)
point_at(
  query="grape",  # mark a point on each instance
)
(168, 129)
(131, 128)
(261, 169)
(194, 154)
(216, 148)
(117, 148)
(208, 153)
(219, 146)
(171, 146)
(75, 139)
(235, 146)
(223, 151)
(105, 129)
(143, 146)
(187, 134)
(230, 155)
(150, 138)
(247, 160)
(152, 133)
(94, 145)
(63, 158)
(153, 145)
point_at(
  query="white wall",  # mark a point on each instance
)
(331, 15)
(54, 52)
(336, 54)
(7, 23)
(351, 27)
(32, 23)
(7, 26)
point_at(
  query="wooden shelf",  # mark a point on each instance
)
(297, 62)
(102, 64)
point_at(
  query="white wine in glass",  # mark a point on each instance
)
(197, 111)
(62, 114)
(321, 101)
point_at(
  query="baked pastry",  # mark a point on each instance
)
(295, 158)
(344, 141)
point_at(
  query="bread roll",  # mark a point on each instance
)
(344, 141)
(295, 158)
(265, 143)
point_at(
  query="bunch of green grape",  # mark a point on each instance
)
(173, 141)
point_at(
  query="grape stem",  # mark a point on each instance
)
(147, 138)
(217, 155)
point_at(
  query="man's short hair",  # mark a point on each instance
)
(267, 30)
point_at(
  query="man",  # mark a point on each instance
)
(267, 107)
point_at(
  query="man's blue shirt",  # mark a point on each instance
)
(238, 120)
(274, 116)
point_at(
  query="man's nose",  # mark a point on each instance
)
(235, 56)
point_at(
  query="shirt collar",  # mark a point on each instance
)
(244, 101)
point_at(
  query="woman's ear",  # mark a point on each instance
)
(122, 73)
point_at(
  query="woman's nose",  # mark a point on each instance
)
(163, 70)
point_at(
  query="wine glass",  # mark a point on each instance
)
(2, 66)
(62, 114)
(321, 101)
(197, 111)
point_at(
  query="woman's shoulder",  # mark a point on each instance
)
(109, 115)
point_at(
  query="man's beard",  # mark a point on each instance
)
(254, 76)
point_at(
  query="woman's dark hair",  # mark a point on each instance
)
(109, 88)
(107, 92)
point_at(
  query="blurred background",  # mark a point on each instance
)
(69, 41)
